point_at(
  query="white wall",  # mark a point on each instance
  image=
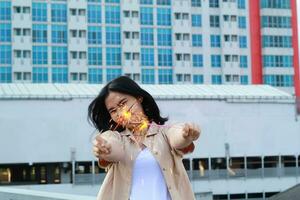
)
(45, 131)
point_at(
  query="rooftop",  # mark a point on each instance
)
(76, 91)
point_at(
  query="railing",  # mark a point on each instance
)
(89, 178)
(244, 173)
(211, 174)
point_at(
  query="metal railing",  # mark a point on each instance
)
(211, 174)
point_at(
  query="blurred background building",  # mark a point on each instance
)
(249, 147)
(203, 60)
(153, 41)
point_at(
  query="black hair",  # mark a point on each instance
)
(99, 115)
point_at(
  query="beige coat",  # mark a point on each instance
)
(117, 183)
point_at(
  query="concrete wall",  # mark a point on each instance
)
(46, 131)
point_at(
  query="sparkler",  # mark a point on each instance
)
(138, 120)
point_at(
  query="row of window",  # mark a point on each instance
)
(280, 4)
(58, 74)
(276, 22)
(95, 75)
(277, 61)
(277, 41)
(279, 80)
(113, 56)
(113, 35)
(112, 15)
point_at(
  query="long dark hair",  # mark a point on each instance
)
(99, 115)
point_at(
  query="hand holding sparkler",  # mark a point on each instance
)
(108, 146)
(191, 131)
(183, 134)
(100, 146)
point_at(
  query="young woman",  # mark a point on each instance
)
(142, 155)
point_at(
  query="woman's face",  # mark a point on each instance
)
(125, 109)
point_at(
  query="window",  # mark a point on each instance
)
(147, 36)
(243, 41)
(39, 12)
(146, 16)
(196, 3)
(216, 79)
(148, 76)
(277, 61)
(113, 56)
(94, 13)
(242, 22)
(59, 55)
(40, 75)
(5, 32)
(196, 20)
(113, 73)
(279, 80)
(214, 21)
(59, 33)
(214, 3)
(241, 4)
(5, 10)
(244, 80)
(215, 40)
(95, 56)
(197, 60)
(276, 21)
(277, 41)
(59, 75)
(243, 61)
(165, 76)
(94, 35)
(59, 12)
(281, 4)
(113, 35)
(165, 57)
(5, 54)
(147, 57)
(40, 55)
(112, 1)
(215, 60)
(164, 37)
(95, 75)
(163, 2)
(5, 73)
(164, 16)
(112, 14)
(146, 2)
(198, 79)
(39, 33)
(197, 40)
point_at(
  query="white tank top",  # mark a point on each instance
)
(148, 182)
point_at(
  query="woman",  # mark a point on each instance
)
(143, 157)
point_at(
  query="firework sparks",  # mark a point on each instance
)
(138, 120)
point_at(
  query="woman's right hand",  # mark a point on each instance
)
(101, 147)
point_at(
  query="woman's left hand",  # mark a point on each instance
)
(191, 131)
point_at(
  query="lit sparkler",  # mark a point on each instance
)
(126, 117)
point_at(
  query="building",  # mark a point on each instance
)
(249, 147)
(153, 41)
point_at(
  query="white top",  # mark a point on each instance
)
(148, 182)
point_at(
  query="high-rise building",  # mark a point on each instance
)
(153, 41)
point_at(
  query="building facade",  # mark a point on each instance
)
(153, 41)
(248, 148)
